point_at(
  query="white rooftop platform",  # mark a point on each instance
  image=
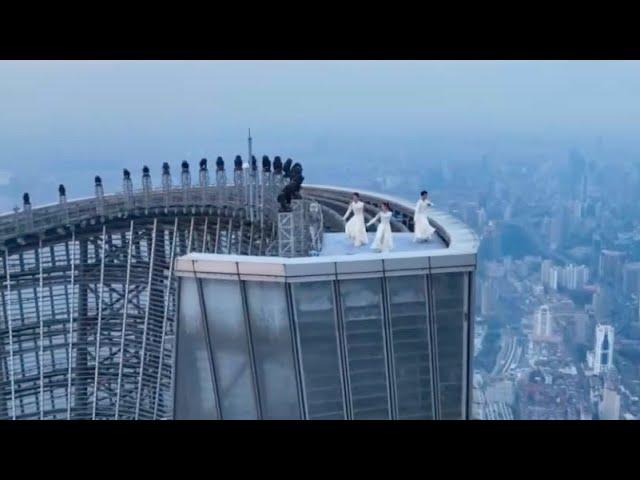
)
(337, 260)
(340, 259)
(337, 244)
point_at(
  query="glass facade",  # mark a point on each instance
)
(364, 338)
(449, 298)
(273, 349)
(360, 348)
(315, 318)
(411, 347)
(229, 342)
(194, 379)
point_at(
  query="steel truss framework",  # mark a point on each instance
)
(88, 294)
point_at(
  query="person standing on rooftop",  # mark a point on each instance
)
(422, 229)
(355, 228)
(383, 241)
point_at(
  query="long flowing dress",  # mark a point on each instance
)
(355, 228)
(383, 240)
(422, 229)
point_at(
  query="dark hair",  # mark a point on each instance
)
(356, 194)
(386, 204)
(424, 192)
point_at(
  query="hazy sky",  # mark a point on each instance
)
(92, 115)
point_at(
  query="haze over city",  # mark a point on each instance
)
(66, 121)
(540, 158)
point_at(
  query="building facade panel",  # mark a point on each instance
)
(229, 340)
(448, 302)
(366, 355)
(195, 396)
(273, 349)
(411, 347)
(319, 349)
(367, 348)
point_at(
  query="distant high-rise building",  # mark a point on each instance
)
(554, 276)
(575, 276)
(470, 214)
(508, 211)
(581, 275)
(603, 352)
(545, 271)
(596, 246)
(584, 188)
(557, 228)
(602, 303)
(482, 218)
(581, 329)
(610, 268)
(488, 297)
(574, 211)
(543, 325)
(631, 278)
(577, 171)
(609, 407)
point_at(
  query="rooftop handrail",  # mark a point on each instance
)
(401, 208)
(119, 204)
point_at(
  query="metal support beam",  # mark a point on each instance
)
(10, 328)
(165, 316)
(124, 321)
(71, 310)
(190, 235)
(82, 326)
(146, 315)
(215, 247)
(41, 322)
(204, 234)
(99, 329)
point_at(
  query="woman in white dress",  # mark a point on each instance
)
(383, 241)
(355, 228)
(422, 229)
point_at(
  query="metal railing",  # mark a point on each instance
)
(140, 202)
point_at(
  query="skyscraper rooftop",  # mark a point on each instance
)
(91, 318)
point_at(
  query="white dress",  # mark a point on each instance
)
(383, 240)
(422, 229)
(355, 228)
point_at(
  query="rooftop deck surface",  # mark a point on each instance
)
(339, 244)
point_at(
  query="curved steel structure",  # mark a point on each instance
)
(87, 292)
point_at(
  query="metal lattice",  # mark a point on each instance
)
(88, 295)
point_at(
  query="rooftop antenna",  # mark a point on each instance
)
(99, 195)
(250, 141)
(127, 187)
(185, 180)
(26, 208)
(146, 186)
(166, 184)
(185, 177)
(203, 177)
(62, 194)
(62, 200)
(146, 179)
(252, 177)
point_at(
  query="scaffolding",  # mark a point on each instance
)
(88, 294)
